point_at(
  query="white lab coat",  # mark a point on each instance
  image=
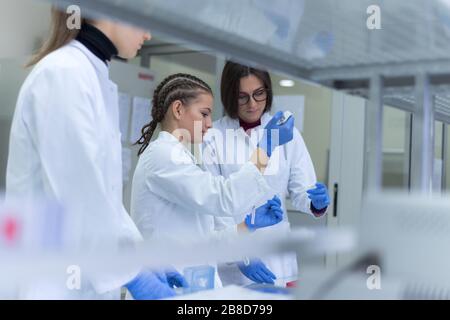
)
(173, 198)
(290, 171)
(65, 144)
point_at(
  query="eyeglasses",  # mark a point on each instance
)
(259, 95)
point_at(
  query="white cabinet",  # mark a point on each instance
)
(346, 165)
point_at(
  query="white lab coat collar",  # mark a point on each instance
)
(99, 65)
(266, 117)
(231, 123)
(102, 71)
(234, 123)
(167, 136)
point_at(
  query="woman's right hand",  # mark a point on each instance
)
(267, 215)
(285, 133)
(150, 285)
(257, 271)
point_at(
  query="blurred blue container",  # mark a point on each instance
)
(199, 278)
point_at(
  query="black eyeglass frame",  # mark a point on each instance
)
(247, 96)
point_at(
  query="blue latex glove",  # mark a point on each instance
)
(319, 196)
(267, 215)
(257, 271)
(150, 285)
(285, 133)
(175, 279)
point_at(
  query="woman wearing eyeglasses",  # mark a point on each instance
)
(247, 97)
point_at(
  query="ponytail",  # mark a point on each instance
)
(147, 133)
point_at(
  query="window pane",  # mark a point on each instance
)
(396, 135)
(438, 157)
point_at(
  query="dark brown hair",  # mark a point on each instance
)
(230, 84)
(180, 86)
(60, 35)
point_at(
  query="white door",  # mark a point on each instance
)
(346, 166)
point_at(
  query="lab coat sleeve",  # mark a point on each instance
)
(209, 157)
(179, 180)
(224, 228)
(62, 121)
(211, 163)
(302, 175)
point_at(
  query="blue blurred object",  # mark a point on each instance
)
(268, 288)
(266, 215)
(149, 285)
(199, 278)
(175, 279)
(256, 271)
(281, 22)
(319, 196)
(325, 41)
(285, 133)
(317, 46)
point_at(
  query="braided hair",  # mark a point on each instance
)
(180, 86)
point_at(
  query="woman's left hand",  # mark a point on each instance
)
(319, 196)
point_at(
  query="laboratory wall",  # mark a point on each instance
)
(12, 75)
(317, 121)
(199, 64)
(30, 21)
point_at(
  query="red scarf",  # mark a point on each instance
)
(247, 126)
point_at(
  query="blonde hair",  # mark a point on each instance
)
(60, 35)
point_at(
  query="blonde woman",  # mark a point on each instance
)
(65, 144)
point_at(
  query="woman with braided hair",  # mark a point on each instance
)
(172, 197)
